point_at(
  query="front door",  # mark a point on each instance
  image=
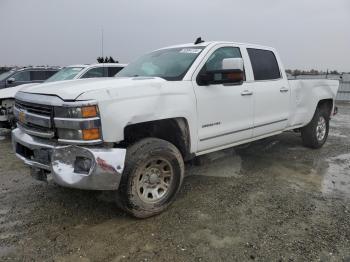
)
(225, 111)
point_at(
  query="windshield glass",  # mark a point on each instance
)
(66, 73)
(4, 75)
(171, 64)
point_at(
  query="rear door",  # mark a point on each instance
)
(271, 93)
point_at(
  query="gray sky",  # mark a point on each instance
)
(307, 33)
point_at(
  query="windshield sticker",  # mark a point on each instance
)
(190, 51)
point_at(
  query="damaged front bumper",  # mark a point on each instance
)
(93, 168)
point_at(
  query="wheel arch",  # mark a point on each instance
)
(174, 130)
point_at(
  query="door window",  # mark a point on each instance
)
(22, 76)
(215, 60)
(95, 72)
(264, 63)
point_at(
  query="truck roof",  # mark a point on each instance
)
(205, 44)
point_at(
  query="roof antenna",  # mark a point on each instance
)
(199, 41)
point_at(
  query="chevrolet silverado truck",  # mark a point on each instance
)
(133, 133)
(7, 94)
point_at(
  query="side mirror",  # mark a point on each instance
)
(231, 72)
(232, 64)
(11, 80)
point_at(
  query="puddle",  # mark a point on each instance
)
(225, 163)
(337, 134)
(336, 179)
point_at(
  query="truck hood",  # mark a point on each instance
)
(11, 91)
(72, 89)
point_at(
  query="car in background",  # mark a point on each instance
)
(67, 73)
(26, 75)
(86, 71)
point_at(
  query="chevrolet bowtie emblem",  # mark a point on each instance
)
(22, 116)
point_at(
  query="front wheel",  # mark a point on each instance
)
(152, 177)
(315, 134)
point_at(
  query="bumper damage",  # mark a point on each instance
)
(95, 168)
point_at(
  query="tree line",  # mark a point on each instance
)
(297, 72)
(110, 59)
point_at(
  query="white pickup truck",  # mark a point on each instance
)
(133, 133)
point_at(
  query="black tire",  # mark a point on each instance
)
(142, 159)
(309, 133)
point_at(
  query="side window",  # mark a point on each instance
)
(22, 76)
(37, 75)
(112, 71)
(264, 63)
(95, 72)
(50, 73)
(215, 60)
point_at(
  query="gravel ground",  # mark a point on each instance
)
(273, 200)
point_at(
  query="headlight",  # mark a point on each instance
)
(78, 124)
(76, 112)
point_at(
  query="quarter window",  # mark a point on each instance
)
(264, 63)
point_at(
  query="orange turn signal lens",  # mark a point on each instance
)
(89, 111)
(91, 134)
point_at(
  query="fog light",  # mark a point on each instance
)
(91, 134)
(82, 165)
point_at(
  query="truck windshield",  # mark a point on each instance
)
(4, 75)
(66, 73)
(171, 64)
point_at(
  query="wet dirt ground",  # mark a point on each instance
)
(273, 200)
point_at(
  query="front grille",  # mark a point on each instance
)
(38, 109)
(33, 124)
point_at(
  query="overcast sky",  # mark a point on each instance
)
(307, 33)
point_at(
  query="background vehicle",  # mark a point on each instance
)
(66, 73)
(86, 71)
(25, 76)
(134, 132)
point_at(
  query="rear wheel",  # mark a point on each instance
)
(315, 134)
(152, 177)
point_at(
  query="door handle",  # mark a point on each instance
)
(246, 93)
(284, 89)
